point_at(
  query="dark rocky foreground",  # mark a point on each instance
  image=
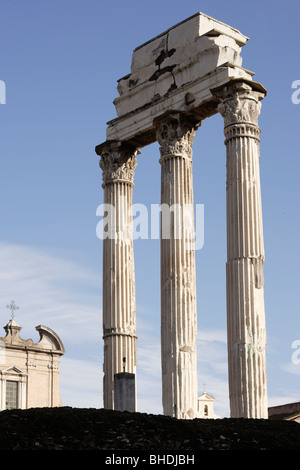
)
(98, 429)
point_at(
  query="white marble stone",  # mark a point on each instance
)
(118, 163)
(186, 74)
(175, 134)
(173, 72)
(246, 327)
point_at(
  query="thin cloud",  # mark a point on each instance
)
(51, 291)
(80, 383)
(66, 297)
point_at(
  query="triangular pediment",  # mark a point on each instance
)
(206, 397)
(13, 370)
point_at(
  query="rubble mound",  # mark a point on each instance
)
(67, 428)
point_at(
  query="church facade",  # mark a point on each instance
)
(29, 372)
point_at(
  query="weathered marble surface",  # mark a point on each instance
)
(176, 71)
(184, 75)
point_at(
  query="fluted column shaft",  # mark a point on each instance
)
(118, 162)
(175, 134)
(245, 254)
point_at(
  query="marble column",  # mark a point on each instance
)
(118, 162)
(246, 329)
(175, 134)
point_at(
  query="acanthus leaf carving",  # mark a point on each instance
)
(118, 162)
(240, 105)
(175, 133)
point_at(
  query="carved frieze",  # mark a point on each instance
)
(31, 363)
(52, 366)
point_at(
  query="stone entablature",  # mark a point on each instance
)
(32, 367)
(177, 70)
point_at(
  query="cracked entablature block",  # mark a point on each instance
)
(176, 71)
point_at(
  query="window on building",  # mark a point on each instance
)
(205, 410)
(11, 394)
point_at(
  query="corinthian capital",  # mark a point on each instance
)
(117, 162)
(241, 104)
(175, 133)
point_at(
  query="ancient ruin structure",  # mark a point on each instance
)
(186, 74)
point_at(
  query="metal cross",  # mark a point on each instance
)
(12, 307)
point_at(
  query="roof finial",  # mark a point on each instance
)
(12, 307)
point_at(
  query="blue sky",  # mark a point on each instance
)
(60, 61)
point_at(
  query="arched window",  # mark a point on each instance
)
(205, 410)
